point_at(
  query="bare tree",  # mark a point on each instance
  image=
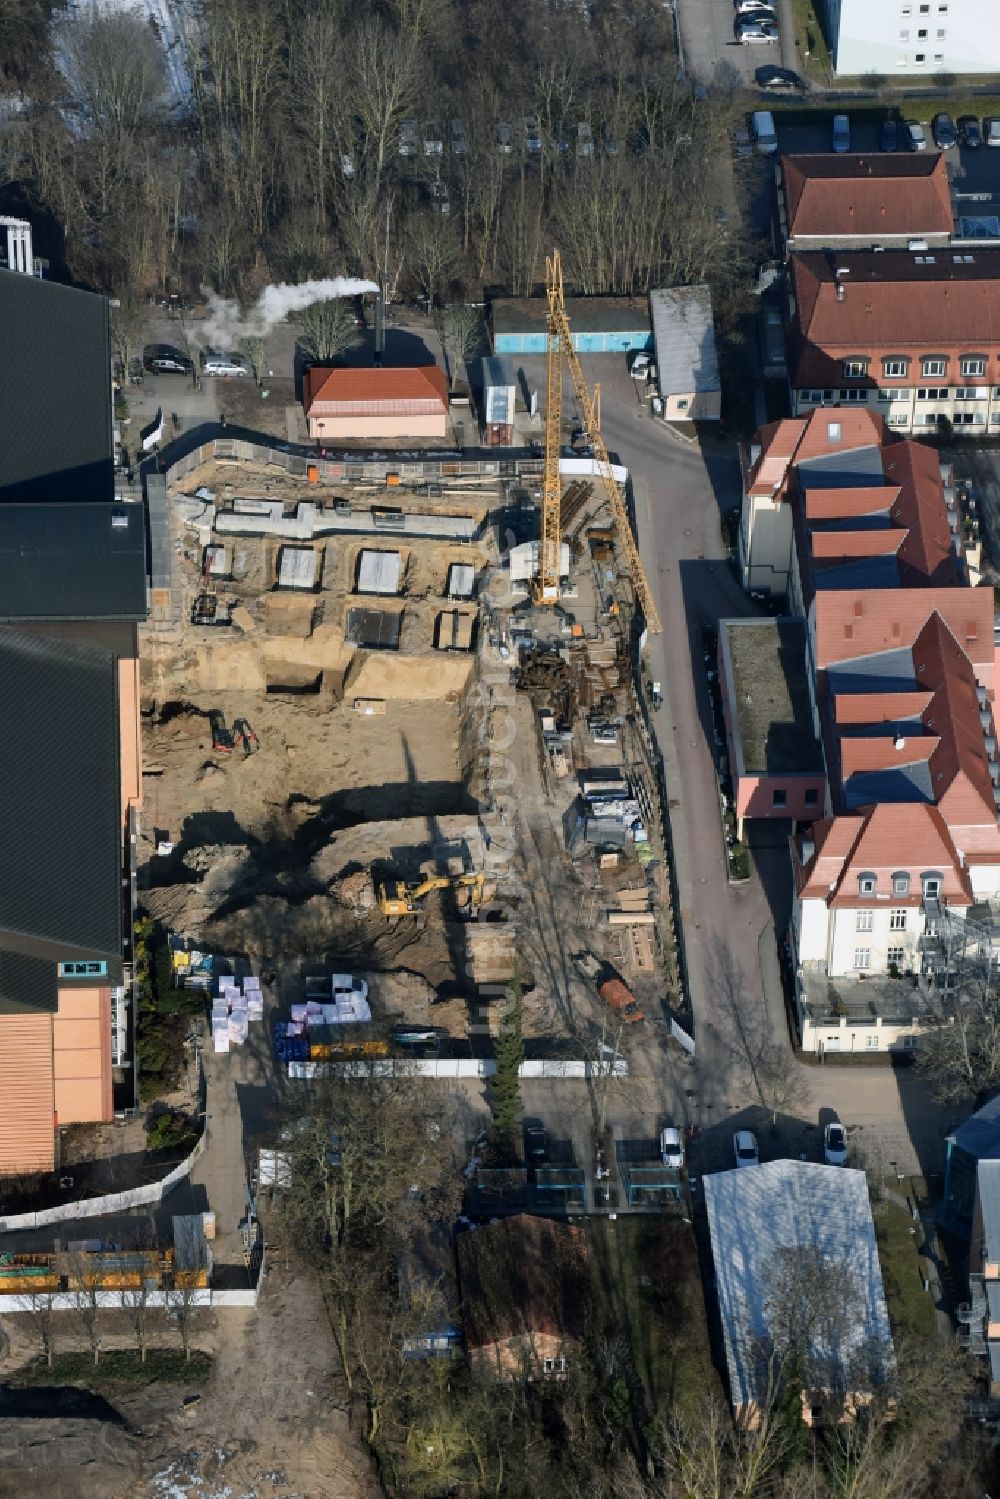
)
(183, 1301)
(254, 347)
(136, 1304)
(84, 1281)
(960, 1054)
(328, 329)
(128, 324)
(461, 331)
(41, 1315)
(434, 252)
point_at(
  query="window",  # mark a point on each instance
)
(973, 364)
(901, 883)
(894, 368)
(780, 798)
(931, 886)
(922, 35)
(897, 921)
(932, 393)
(554, 1365)
(853, 395)
(972, 393)
(904, 36)
(871, 1041)
(682, 405)
(933, 365)
(862, 958)
(855, 369)
(811, 797)
(895, 955)
(866, 884)
(833, 431)
(865, 921)
(82, 970)
(941, 35)
(919, 59)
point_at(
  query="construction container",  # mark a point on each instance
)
(208, 1225)
(312, 473)
(499, 435)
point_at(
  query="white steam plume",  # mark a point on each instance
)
(226, 324)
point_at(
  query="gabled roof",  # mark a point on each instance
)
(853, 624)
(867, 196)
(684, 334)
(60, 839)
(758, 1218)
(55, 392)
(350, 392)
(72, 561)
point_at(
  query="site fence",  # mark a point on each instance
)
(113, 1202)
(477, 1067)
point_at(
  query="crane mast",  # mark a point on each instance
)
(560, 345)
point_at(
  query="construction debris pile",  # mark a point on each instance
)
(330, 1002)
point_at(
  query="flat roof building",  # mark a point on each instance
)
(600, 325)
(687, 365)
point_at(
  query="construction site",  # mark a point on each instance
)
(393, 722)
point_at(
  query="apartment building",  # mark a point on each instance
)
(72, 591)
(900, 37)
(913, 335)
(852, 526)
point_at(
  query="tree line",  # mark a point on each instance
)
(283, 160)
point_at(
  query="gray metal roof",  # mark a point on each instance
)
(684, 335)
(27, 984)
(757, 1212)
(60, 833)
(893, 783)
(979, 1135)
(842, 470)
(160, 553)
(55, 392)
(72, 561)
(988, 1183)
(495, 370)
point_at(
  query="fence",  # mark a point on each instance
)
(478, 1067)
(114, 1202)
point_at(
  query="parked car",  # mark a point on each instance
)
(440, 197)
(835, 1144)
(841, 134)
(639, 364)
(943, 131)
(532, 127)
(505, 138)
(407, 137)
(536, 1143)
(772, 78)
(347, 166)
(969, 133)
(584, 139)
(164, 359)
(764, 133)
(756, 34)
(433, 139)
(889, 137)
(751, 7)
(214, 362)
(916, 136)
(671, 1148)
(991, 130)
(459, 139)
(759, 15)
(745, 1148)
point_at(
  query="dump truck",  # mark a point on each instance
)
(621, 1001)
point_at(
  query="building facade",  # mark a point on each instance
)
(383, 404)
(900, 37)
(912, 335)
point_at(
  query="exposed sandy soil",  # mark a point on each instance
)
(269, 1424)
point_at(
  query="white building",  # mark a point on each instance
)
(913, 36)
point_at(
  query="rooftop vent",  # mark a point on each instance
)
(899, 742)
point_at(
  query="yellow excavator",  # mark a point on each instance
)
(398, 899)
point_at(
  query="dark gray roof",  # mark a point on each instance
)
(979, 1135)
(988, 1183)
(60, 839)
(586, 314)
(684, 333)
(894, 783)
(843, 470)
(72, 561)
(55, 392)
(27, 984)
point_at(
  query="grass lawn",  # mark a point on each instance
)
(809, 38)
(118, 1367)
(911, 1309)
(646, 1288)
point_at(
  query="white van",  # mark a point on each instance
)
(764, 133)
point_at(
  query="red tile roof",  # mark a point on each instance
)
(910, 836)
(926, 554)
(892, 304)
(843, 504)
(867, 196)
(374, 392)
(851, 623)
(851, 708)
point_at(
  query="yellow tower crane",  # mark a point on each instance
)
(560, 345)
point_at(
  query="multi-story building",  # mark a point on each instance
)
(898, 37)
(913, 335)
(852, 527)
(72, 591)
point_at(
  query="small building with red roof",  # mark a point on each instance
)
(381, 404)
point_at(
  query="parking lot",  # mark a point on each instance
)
(711, 53)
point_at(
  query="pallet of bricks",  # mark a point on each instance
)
(233, 1010)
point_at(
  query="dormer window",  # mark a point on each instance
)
(866, 883)
(973, 365)
(894, 367)
(901, 883)
(855, 368)
(933, 366)
(930, 882)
